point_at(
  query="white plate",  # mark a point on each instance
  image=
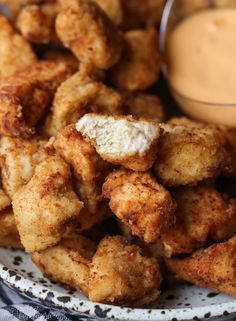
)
(185, 302)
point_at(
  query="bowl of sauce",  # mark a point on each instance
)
(198, 40)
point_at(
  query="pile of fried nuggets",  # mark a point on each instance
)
(82, 144)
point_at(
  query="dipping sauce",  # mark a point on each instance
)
(201, 61)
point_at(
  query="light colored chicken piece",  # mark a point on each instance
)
(84, 27)
(140, 63)
(122, 140)
(68, 262)
(213, 267)
(9, 236)
(140, 202)
(78, 95)
(18, 159)
(16, 53)
(202, 215)
(121, 274)
(5, 200)
(46, 208)
(89, 170)
(113, 9)
(187, 155)
(25, 97)
(37, 23)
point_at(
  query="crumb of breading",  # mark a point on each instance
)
(47, 207)
(121, 274)
(122, 140)
(139, 201)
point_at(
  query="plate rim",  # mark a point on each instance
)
(35, 290)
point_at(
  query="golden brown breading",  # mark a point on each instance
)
(213, 267)
(123, 140)
(18, 159)
(140, 202)
(144, 105)
(138, 13)
(140, 64)
(187, 155)
(37, 23)
(46, 207)
(89, 170)
(9, 236)
(68, 262)
(25, 96)
(202, 215)
(5, 200)
(113, 9)
(78, 95)
(84, 27)
(121, 274)
(230, 136)
(15, 52)
(15, 6)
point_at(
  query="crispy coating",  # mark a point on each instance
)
(122, 140)
(213, 267)
(84, 27)
(140, 202)
(89, 170)
(230, 136)
(144, 105)
(121, 274)
(37, 23)
(25, 97)
(140, 64)
(15, 6)
(15, 52)
(187, 155)
(47, 207)
(5, 200)
(113, 9)
(202, 215)
(9, 236)
(77, 96)
(18, 160)
(68, 262)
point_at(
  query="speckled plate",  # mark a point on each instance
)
(185, 302)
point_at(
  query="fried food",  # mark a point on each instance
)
(25, 97)
(15, 52)
(113, 9)
(89, 170)
(140, 202)
(14, 6)
(213, 267)
(68, 262)
(187, 155)
(51, 207)
(18, 160)
(84, 27)
(202, 215)
(9, 236)
(77, 96)
(122, 140)
(230, 136)
(144, 105)
(121, 274)
(140, 64)
(5, 200)
(37, 23)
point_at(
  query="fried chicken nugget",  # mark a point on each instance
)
(18, 159)
(140, 64)
(68, 262)
(140, 202)
(113, 9)
(122, 140)
(202, 215)
(25, 97)
(9, 236)
(89, 170)
(121, 274)
(187, 155)
(16, 53)
(47, 207)
(37, 23)
(77, 96)
(213, 267)
(15, 6)
(84, 27)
